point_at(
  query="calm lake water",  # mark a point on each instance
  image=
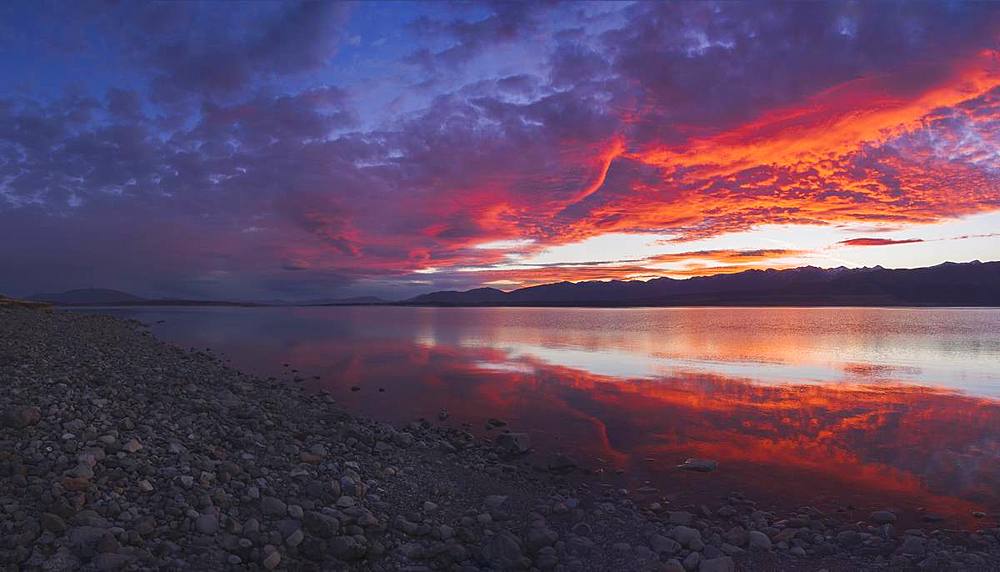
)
(848, 409)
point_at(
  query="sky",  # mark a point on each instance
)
(299, 151)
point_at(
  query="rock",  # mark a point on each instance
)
(347, 548)
(145, 526)
(561, 463)
(913, 545)
(207, 523)
(76, 483)
(720, 564)
(737, 536)
(692, 561)
(295, 538)
(663, 545)
(62, 561)
(758, 540)
(272, 506)
(539, 537)
(673, 565)
(514, 443)
(21, 417)
(685, 535)
(53, 523)
(320, 525)
(503, 549)
(883, 517)
(848, 538)
(699, 465)
(494, 502)
(272, 560)
(88, 541)
(133, 446)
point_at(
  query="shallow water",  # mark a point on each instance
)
(846, 409)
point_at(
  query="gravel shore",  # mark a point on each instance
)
(121, 452)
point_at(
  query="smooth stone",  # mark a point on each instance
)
(758, 540)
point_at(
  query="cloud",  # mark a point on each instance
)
(878, 241)
(667, 118)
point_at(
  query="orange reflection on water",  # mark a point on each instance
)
(870, 445)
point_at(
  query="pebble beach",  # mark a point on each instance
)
(121, 452)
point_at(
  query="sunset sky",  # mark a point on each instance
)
(298, 151)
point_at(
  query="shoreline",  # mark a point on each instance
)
(120, 451)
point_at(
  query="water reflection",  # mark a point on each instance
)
(867, 407)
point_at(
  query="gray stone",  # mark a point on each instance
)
(691, 561)
(271, 506)
(347, 548)
(663, 545)
(913, 545)
(207, 523)
(272, 560)
(540, 537)
(685, 534)
(758, 540)
(320, 525)
(503, 549)
(53, 523)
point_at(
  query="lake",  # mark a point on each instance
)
(844, 409)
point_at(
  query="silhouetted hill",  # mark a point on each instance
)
(948, 284)
(476, 297)
(88, 296)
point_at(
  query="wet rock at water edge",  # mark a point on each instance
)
(883, 517)
(561, 463)
(514, 443)
(699, 465)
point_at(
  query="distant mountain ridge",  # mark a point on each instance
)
(109, 297)
(88, 296)
(948, 284)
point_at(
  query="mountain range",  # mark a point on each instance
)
(948, 284)
(108, 297)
